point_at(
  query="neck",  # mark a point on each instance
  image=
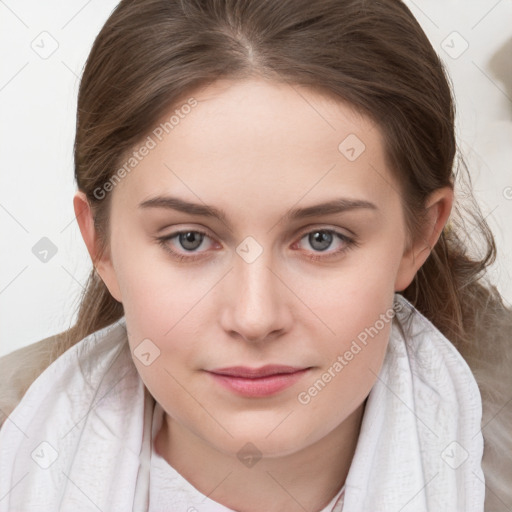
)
(304, 480)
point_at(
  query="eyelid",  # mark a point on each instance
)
(191, 257)
(303, 231)
(350, 242)
(325, 227)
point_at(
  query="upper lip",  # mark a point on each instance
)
(244, 371)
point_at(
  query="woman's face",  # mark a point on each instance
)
(266, 275)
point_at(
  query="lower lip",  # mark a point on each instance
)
(259, 387)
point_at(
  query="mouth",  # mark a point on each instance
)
(258, 382)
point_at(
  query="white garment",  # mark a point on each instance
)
(81, 439)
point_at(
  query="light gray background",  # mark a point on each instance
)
(43, 48)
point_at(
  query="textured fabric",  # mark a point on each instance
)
(420, 447)
(81, 438)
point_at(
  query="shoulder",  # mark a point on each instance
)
(490, 359)
(19, 369)
(487, 349)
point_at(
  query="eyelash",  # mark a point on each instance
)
(350, 243)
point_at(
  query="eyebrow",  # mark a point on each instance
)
(339, 205)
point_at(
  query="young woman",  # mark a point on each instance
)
(284, 311)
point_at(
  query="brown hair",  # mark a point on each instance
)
(374, 55)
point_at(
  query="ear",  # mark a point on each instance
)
(101, 260)
(438, 206)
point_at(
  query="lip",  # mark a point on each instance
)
(251, 373)
(258, 382)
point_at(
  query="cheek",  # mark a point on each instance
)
(359, 320)
(340, 386)
(351, 297)
(156, 295)
(165, 344)
(355, 306)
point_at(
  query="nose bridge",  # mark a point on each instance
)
(255, 305)
(257, 285)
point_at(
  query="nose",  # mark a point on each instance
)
(256, 305)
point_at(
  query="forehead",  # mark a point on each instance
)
(253, 139)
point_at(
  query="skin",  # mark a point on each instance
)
(257, 149)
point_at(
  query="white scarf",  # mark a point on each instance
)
(81, 437)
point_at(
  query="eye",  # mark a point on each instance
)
(187, 240)
(183, 245)
(321, 239)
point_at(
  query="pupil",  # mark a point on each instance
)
(323, 237)
(188, 240)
